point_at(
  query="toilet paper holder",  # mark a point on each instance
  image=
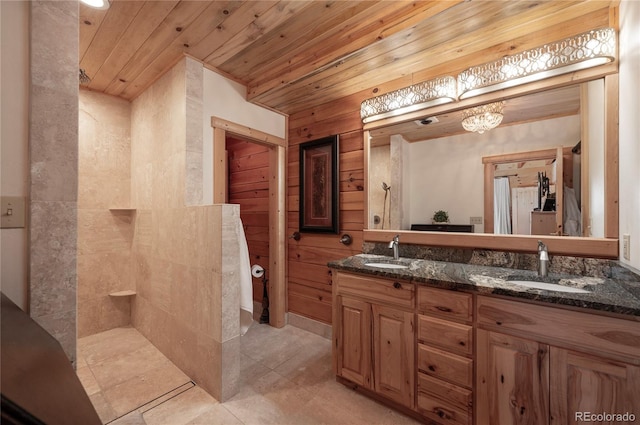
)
(258, 271)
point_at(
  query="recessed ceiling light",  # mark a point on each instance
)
(97, 4)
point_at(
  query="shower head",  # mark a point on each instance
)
(385, 187)
(84, 78)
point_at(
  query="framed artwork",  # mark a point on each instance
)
(319, 177)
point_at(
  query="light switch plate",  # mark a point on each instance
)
(12, 210)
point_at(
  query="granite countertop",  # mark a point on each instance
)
(619, 293)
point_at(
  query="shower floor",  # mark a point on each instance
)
(286, 378)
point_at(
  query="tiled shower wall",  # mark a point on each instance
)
(187, 301)
(104, 232)
(53, 151)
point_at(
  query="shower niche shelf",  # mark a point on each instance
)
(121, 209)
(127, 293)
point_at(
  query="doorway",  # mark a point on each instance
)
(266, 156)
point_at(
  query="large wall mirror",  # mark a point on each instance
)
(539, 174)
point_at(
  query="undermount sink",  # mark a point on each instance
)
(548, 286)
(387, 265)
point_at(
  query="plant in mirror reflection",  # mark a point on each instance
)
(440, 216)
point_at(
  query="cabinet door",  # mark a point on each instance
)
(586, 385)
(393, 342)
(353, 342)
(512, 380)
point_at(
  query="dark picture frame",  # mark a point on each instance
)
(319, 179)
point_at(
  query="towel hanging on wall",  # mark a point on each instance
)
(246, 287)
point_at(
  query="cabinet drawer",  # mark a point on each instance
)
(604, 336)
(386, 291)
(449, 335)
(450, 304)
(443, 402)
(448, 366)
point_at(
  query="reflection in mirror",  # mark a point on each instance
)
(431, 164)
(524, 200)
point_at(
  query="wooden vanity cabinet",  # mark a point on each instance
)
(454, 358)
(374, 334)
(354, 342)
(514, 375)
(544, 365)
(445, 350)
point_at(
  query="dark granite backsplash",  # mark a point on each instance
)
(593, 267)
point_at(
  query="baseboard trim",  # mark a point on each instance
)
(309, 325)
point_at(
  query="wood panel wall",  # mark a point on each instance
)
(309, 282)
(309, 279)
(248, 165)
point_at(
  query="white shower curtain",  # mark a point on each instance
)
(501, 206)
(572, 215)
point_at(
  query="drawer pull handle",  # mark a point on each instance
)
(431, 368)
(445, 309)
(397, 285)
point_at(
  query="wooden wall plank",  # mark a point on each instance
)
(249, 187)
(308, 274)
(309, 307)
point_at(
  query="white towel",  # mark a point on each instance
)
(246, 287)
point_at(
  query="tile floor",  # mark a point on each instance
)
(286, 379)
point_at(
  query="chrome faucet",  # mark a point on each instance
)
(395, 245)
(543, 259)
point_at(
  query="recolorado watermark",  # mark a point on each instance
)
(605, 417)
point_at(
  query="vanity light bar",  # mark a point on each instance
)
(413, 98)
(582, 51)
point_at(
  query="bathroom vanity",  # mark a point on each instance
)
(459, 344)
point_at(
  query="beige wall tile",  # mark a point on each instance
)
(104, 157)
(230, 379)
(184, 341)
(88, 317)
(205, 303)
(178, 254)
(104, 237)
(194, 133)
(103, 273)
(53, 257)
(184, 293)
(209, 352)
(230, 277)
(54, 151)
(115, 312)
(101, 230)
(62, 326)
(53, 158)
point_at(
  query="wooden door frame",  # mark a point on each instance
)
(277, 206)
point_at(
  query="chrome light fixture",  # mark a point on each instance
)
(582, 51)
(482, 118)
(409, 99)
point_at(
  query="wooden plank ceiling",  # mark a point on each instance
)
(293, 55)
